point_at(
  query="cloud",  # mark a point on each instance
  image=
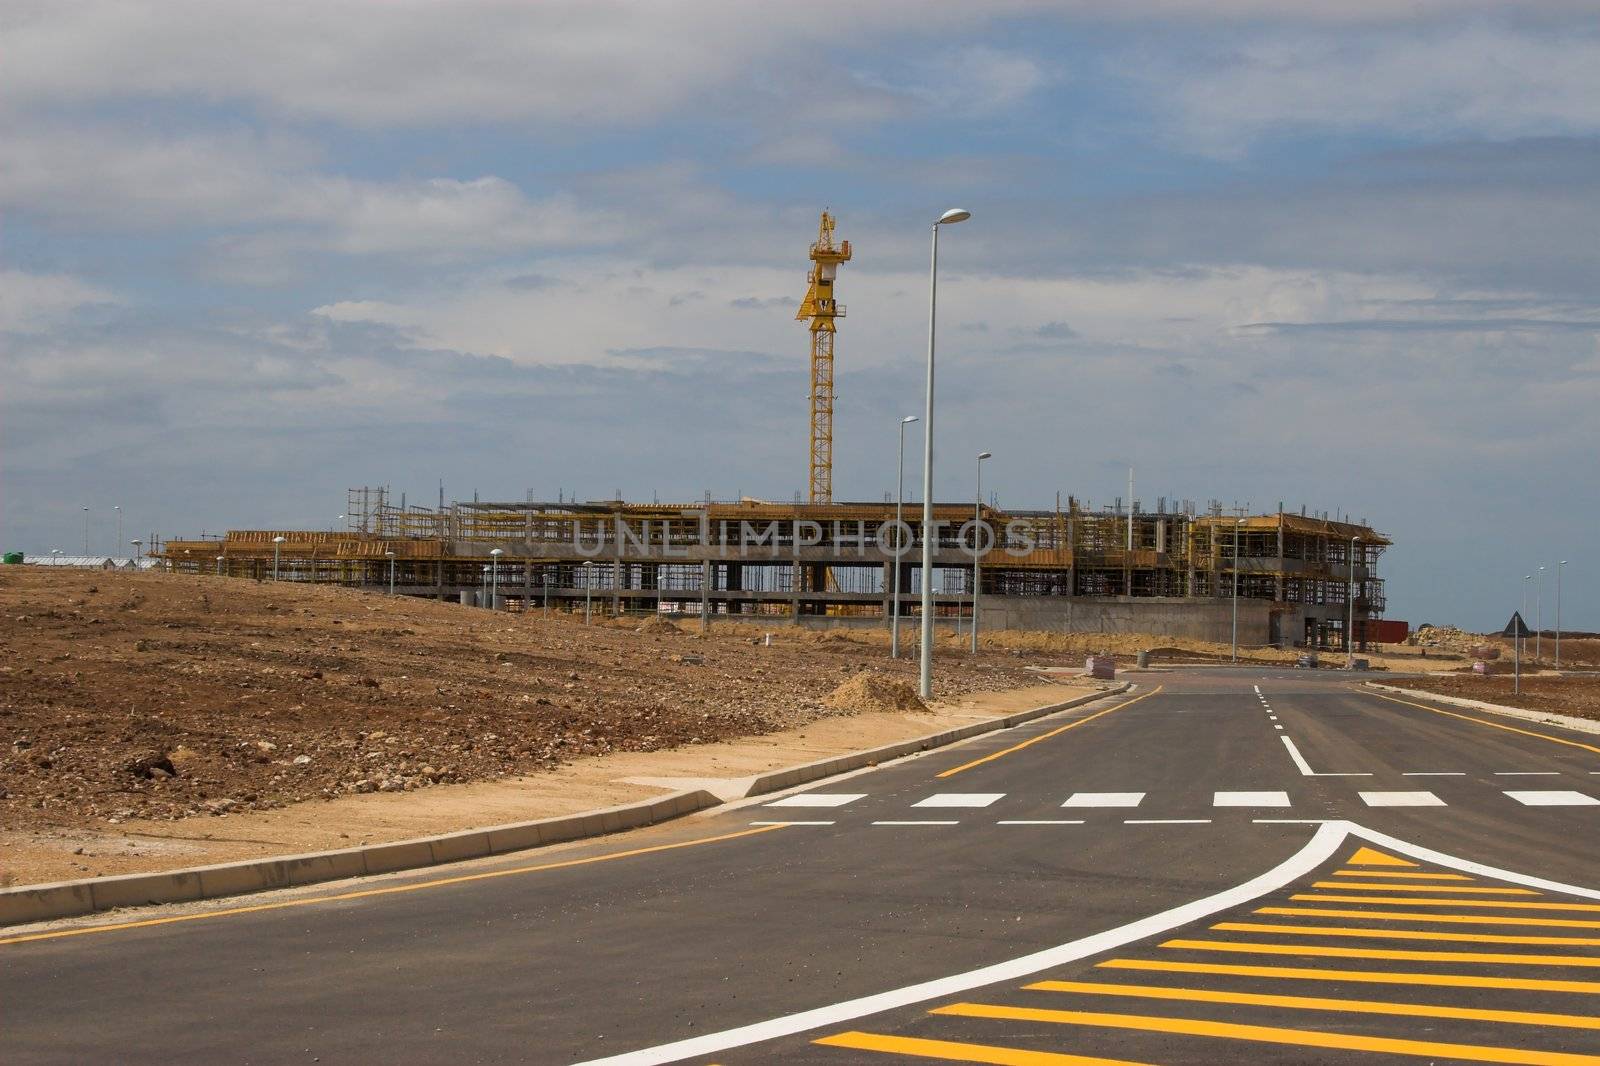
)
(1056, 331)
(34, 303)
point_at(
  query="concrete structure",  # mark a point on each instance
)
(825, 564)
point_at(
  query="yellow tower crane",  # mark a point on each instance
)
(821, 308)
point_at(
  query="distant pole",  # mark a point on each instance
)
(1350, 597)
(1538, 615)
(86, 532)
(1236, 524)
(977, 566)
(705, 595)
(547, 593)
(136, 555)
(494, 578)
(277, 542)
(899, 531)
(118, 542)
(391, 571)
(219, 565)
(1558, 612)
(588, 590)
(1516, 684)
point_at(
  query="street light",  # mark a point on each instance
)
(86, 532)
(977, 566)
(277, 544)
(118, 509)
(899, 531)
(390, 556)
(137, 544)
(1350, 597)
(494, 576)
(219, 564)
(1558, 612)
(55, 556)
(949, 218)
(1236, 524)
(1525, 579)
(1538, 613)
(588, 589)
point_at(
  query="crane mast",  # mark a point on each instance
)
(821, 308)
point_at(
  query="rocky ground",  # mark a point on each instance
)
(1577, 695)
(155, 696)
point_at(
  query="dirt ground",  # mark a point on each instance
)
(1577, 695)
(132, 702)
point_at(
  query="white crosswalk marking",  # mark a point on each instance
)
(817, 799)
(1251, 799)
(1104, 799)
(1401, 799)
(960, 799)
(1554, 798)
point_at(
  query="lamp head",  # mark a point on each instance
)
(908, 419)
(496, 551)
(279, 540)
(985, 455)
(952, 216)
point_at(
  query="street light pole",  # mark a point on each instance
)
(494, 578)
(118, 542)
(277, 542)
(588, 589)
(55, 556)
(1237, 522)
(390, 556)
(219, 565)
(136, 545)
(899, 544)
(86, 532)
(1538, 614)
(1558, 612)
(1350, 605)
(977, 565)
(1525, 579)
(925, 685)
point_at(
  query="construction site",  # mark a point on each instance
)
(1282, 578)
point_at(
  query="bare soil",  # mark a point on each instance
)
(1577, 695)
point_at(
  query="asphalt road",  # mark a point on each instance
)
(1312, 873)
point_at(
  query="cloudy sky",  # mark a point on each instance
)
(1340, 255)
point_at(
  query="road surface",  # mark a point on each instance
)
(1220, 866)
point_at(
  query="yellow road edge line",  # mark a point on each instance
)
(1375, 977)
(385, 891)
(917, 1047)
(1368, 886)
(1391, 901)
(1492, 725)
(1401, 873)
(1046, 736)
(1354, 1006)
(1336, 952)
(1407, 934)
(1271, 1035)
(1457, 919)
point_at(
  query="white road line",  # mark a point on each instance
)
(1434, 773)
(960, 799)
(1527, 773)
(1292, 821)
(1257, 688)
(1554, 799)
(1166, 821)
(1401, 799)
(1318, 850)
(1104, 799)
(1251, 799)
(817, 799)
(1278, 727)
(791, 823)
(1042, 821)
(1305, 767)
(916, 823)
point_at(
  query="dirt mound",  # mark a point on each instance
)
(658, 624)
(875, 692)
(1447, 638)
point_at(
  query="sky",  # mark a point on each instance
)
(1342, 256)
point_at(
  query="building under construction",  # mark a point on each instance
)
(1167, 571)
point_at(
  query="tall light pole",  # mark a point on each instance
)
(899, 532)
(588, 589)
(1558, 612)
(1350, 605)
(86, 532)
(277, 543)
(1538, 613)
(1525, 579)
(55, 556)
(137, 544)
(494, 576)
(925, 686)
(220, 558)
(118, 542)
(977, 565)
(1237, 522)
(390, 556)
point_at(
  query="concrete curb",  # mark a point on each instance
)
(68, 899)
(1581, 725)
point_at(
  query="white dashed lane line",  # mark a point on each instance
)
(818, 799)
(1554, 798)
(1401, 799)
(1251, 799)
(960, 799)
(1104, 799)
